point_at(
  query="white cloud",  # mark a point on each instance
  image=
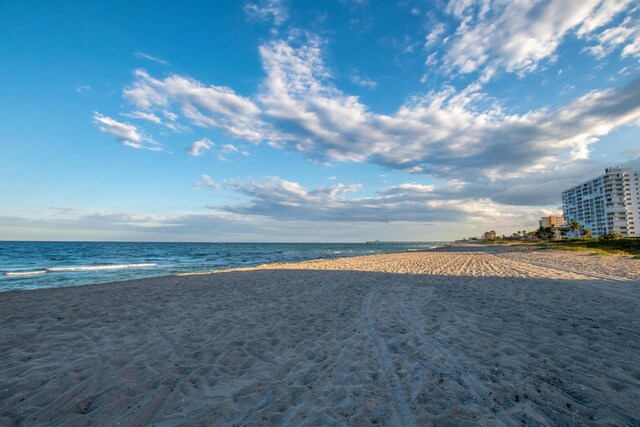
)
(142, 55)
(83, 89)
(226, 149)
(434, 36)
(204, 106)
(291, 212)
(459, 136)
(169, 115)
(268, 10)
(286, 200)
(410, 187)
(602, 15)
(229, 148)
(363, 81)
(197, 148)
(285, 211)
(517, 35)
(445, 133)
(210, 182)
(144, 116)
(126, 133)
(218, 226)
(625, 35)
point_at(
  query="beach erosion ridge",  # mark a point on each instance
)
(461, 335)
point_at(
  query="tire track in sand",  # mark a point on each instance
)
(480, 393)
(403, 410)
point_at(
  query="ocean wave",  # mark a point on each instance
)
(24, 273)
(78, 268)
(422, 248)
(99, 267)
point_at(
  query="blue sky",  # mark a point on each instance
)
(270, 120)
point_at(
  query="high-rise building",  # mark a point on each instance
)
(607, 203)
(551, 221)
(489, 235)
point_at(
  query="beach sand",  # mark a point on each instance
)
(470, 335)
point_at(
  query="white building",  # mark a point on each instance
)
(607, 203)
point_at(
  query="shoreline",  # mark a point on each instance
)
(285, 265)
(42, 271)
(464, 335)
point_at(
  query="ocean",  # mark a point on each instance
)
(33, 265)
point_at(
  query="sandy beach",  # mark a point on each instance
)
(470, 335)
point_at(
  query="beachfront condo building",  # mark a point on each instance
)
(605, 204)
(489, 235)
(551, 221)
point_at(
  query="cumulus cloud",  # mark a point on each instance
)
(435, 35)
(410, 202)
(125, 133)
(456, 136)
(276, 206)
(625, 36)
(200, 146)
(602, 15)
(204, 106)
(274, 11)
(444, 133)
(517, 35)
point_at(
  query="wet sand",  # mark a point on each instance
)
(470, 335)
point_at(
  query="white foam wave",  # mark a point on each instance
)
(78, 268)
(24, 273)
(99, 267)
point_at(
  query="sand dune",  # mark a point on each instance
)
(460, 336)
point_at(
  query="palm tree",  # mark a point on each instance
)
(545, 233)
(575, 227)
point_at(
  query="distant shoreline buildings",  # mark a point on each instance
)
(603, 206)
(606, 204)
(489, 235)
(552, 221)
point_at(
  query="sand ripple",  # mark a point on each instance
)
(471, 335)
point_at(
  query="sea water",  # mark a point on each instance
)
(32, 265)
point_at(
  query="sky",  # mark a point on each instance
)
(297, 121)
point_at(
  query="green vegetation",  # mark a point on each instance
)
(544, 238)
(575, 226)
(545, 233)
(606, 245)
